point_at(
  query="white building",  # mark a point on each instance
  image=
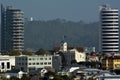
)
(109, 18)
(29, 63)
(6, 62)
(72, 53)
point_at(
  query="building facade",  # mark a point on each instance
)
(71, 53)
(109, 29)
(12, 30)
(6, 63)
(30, 63)
(111, 62)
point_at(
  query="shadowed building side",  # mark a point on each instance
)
(12, 29)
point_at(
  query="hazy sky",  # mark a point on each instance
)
(75, 10)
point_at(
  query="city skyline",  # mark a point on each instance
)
(70, 10)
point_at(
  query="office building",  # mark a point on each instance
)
(12, 30)
(109, 29)
(29, 63)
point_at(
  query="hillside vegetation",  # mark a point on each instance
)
(48, 34)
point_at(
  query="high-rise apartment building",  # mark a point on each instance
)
(12, 29)
(109, 29)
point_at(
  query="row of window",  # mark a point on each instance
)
(37, 63)
(21, 63)
(40, 58)
(42, 63)
(35, 58)
(110, 24)
(110, 28)
(109, 12)
(108, 18)
(110, 38)
(3, 66)
(110, 41)
(21, 58)
(110, 31)
(109, 48)
(110, 15)
(110, 34)
(117, 60)
(109, 21)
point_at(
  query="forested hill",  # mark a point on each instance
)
(48, 34)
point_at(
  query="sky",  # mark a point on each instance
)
(74, 10)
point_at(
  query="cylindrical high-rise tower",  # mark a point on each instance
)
(109, 29)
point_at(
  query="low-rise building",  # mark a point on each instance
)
(93, 58)
(111, 62)
(71, 53)
(6, 62)
(29, 63)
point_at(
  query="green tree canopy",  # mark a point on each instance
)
(26, 52)
(14, 53)
(25, 77)
(42, 52)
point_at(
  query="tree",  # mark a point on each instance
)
(25, 77)
(26, 52)
(14, 53)
(14, 78)
(42, 52)
(65, 77)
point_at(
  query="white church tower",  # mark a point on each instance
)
(63, 47)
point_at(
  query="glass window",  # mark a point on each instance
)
(3, 65)
(33, 58)
(45, 63)
(49, 62)
(50, 58)
(29, 63)
(41, 58)
(22, 63)
(8, 65)
(33, 63)
(37, 63)
(45, 58)
(41, 63)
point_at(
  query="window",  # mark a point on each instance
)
(49, 63)
(41, 58)
(19, 63)
(25, 63)
(50, 58)
(45, 63)
(3, 65)
(37, 63)
(45, 58)
(33, 63)
(29, 58)
(33, 58)
(29, 63)
(41, 63)
(8, 65)
(22, 63)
